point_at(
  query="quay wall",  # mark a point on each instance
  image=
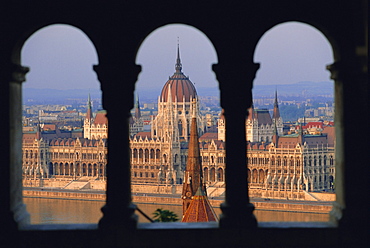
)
(315, 207)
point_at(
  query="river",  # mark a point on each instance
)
(55, 211)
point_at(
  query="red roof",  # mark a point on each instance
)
(199, 210)
(317, 124)
(143, 135)
(101, 118)
(179, 85)
(208, 136)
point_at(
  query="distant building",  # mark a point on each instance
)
(159, 156)
(278, 165)
(95, 127)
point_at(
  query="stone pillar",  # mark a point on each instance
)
(351, 102)
(12, 208)
(235, 80)
(118, 211)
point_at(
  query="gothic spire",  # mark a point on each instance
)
(178, 66)
(193, 173)
(137, 108)
(276, 114)
(89, 109)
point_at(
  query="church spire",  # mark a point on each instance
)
(276, 114)
(193, 173)
(89, 109)
(137, 108)
(178, 66)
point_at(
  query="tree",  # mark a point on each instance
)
(161, 215)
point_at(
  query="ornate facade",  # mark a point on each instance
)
(117, 31)
(294, 163)
(159, 156)
(259, 125)
(95, 127)
(279, 165)
(63, 155)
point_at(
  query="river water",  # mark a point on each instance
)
(55, 211)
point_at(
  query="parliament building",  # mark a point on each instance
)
(117, 30)
(280, 166)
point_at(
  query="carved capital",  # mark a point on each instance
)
(341, 71)
(118, 83)
(236, 83)
(17, 73)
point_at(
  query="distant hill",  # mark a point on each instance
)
(302, 89)
(307, 89)
(53, 96)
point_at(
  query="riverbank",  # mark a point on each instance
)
(260, 204)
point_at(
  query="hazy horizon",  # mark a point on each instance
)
(62, 56)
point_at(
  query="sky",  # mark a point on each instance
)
(61, 57)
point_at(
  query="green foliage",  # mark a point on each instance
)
(161, 215)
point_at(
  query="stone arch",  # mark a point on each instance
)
(135, 155)
(84, 169)
(95, 171)
(61, 169)
(165, 158)
(89, 170)
(152, 154)
(146, 155)
(78, 169)
(254, 176)
(292, 27)
(220, 175)
(212, 174)
(261, 176)
(66, 169)
(51, 169)
(141, 155)
(157, 155)
(205, 174)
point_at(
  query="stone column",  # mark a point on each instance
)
(235, 80)
(118, 211)
(12, 208)
(351, 101)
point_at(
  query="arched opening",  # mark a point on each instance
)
(206, 174)
(169, 102)
(220, 175)
(291, 86)
(212, 174)
(61, 88)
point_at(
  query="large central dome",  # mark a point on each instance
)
(180, 87)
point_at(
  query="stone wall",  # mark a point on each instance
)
(314, 207)
(156, 189)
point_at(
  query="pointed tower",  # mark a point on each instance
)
(137, 108)
(276, 118)
(276, 114)
(89, 109)
(178, 65)
(38, 130)
(88, 119)
(193, 173)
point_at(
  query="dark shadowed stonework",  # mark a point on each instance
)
(117, 29)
